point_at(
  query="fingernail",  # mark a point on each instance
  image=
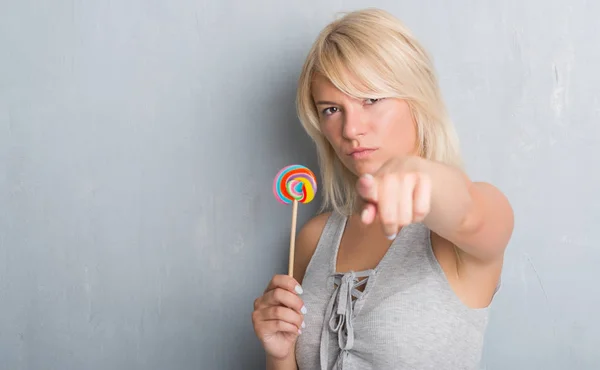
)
(303, 325)
(299, 331)
(392, 237)
(298, 289)
(368, 176)
(303, 310)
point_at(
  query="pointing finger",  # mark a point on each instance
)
(366, 188)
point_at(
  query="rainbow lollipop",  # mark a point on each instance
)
(294, 184)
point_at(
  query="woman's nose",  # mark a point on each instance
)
(354, 124)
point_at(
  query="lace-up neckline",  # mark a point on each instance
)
(345, 302)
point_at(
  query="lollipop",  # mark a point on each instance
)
(294, 184)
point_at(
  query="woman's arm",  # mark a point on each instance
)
(289, 363)
(476, 217)
(306, 243)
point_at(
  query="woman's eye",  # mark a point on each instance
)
(329, 111)
(372, 101)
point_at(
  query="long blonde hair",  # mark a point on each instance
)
(370, 54)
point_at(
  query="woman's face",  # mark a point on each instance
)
(364, 133)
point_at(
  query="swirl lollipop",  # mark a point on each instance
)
(293, 184)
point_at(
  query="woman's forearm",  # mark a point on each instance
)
(288, 363)
(475, 216)
(451, 200)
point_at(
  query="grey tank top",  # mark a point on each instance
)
(406, 317)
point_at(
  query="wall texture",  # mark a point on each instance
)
(139, 139)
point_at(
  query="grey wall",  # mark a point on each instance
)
(139, 139)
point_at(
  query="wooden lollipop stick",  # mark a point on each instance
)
(298, 184)
(293, 239)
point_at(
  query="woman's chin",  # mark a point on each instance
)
(364, 169)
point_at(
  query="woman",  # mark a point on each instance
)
(402, 269)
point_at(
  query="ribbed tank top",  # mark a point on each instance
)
(407, 316)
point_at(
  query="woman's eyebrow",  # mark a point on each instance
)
(325, 102)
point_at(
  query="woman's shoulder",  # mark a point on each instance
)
(306, 243)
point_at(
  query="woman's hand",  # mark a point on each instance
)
(399, 193)
(278, 316)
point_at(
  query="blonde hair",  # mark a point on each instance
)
(370, 54)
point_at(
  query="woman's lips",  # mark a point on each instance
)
(361, 153)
